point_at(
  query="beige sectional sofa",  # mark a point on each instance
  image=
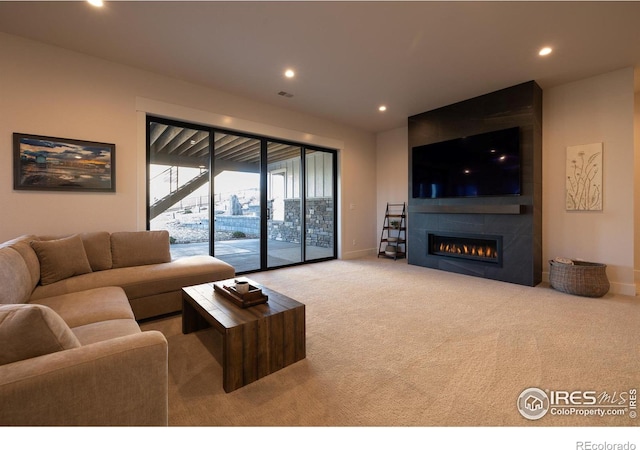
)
(72, 352)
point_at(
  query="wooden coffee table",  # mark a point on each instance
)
(257, 340)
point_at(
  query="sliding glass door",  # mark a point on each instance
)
(319, 207)
(284, 205)
(254, 202)
(178, 188)
(236, 193)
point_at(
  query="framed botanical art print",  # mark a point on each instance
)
(584, 177)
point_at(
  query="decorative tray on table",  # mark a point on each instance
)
(251, 298)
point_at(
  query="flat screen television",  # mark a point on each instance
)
(486, 164)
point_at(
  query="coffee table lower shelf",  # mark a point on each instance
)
(257, 341)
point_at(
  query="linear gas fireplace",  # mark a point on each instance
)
(472, 247)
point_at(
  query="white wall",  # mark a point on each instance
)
(392, 174)
(49, 91)
(598, 109)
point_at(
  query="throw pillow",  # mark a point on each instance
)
(138, 248)
(98, 247)
(30, 330)
(61, 258)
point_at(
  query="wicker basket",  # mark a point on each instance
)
(580, 278)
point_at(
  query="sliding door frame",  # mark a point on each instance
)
(264, 140)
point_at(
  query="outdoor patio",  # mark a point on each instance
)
(244, 254)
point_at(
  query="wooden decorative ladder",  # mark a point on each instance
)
(393, 239)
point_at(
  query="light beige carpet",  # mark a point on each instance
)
(390, 344)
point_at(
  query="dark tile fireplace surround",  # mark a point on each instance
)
(498, 238)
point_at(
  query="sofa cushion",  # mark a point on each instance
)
(97, 245)
(173, 276)
(27, 331)
(61, 258)
(138, 248)
(22, 245)
(90, 306)
(103, 331)
(15, 278)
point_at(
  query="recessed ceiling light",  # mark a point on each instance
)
(97, 3)
(382, 108)
(289, 73)
(545, 51)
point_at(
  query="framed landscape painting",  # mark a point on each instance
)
(46, 163)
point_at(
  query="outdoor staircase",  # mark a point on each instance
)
(178, 194)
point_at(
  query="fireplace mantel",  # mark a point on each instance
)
(468, 209)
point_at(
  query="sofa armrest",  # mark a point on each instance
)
(121, 381)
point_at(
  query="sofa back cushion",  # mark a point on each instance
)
(139, 248)
(16, 284)
(27, 331)
(97, 245)
(61, 258)
(22, 245)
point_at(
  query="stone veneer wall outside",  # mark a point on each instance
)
(319, 218)
(249, 225)
(320, 223)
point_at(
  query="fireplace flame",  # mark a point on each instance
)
(483, 251)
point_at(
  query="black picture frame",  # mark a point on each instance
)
(45, 163)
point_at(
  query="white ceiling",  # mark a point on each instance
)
(349, 57)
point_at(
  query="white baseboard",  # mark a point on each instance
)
(624, 289)
(359, 253)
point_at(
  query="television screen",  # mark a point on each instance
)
(486, 164)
